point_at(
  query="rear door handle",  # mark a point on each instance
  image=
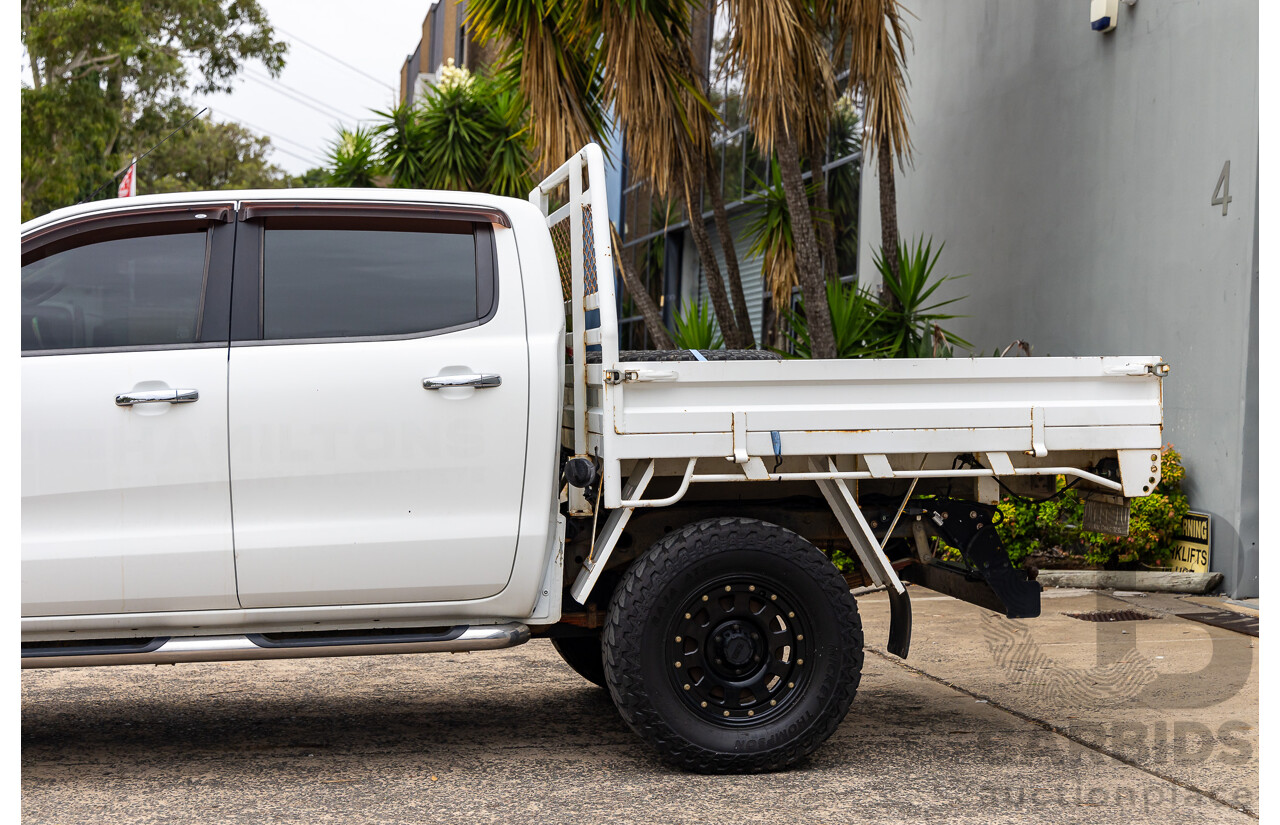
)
(128, 399)
(477, 380)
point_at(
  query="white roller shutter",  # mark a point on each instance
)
(750, 268)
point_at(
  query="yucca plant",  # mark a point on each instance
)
(857, 321)
(353, 158)
(404, 143)
(461, 136)
(696, 328)
(511, 158)
(468, 132)
(911, 325)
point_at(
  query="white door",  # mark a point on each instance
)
(353, 483)
(125, 485)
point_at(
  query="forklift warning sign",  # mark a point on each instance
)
(1191, 545)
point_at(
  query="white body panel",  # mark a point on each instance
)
(489, 585)
(125, 509)
(354, 485)
(878, 408)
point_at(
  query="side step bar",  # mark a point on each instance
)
(167, 651)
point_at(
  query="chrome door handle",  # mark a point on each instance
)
(128, 399)
(477, 380)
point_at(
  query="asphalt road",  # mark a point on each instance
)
(516, 736)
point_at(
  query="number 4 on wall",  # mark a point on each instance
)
(1222, 192)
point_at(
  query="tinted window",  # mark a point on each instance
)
(127, 292)
(333, 283)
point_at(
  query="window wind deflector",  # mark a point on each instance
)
(452, 212)
(122, 223)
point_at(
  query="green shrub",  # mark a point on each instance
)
(857, 321)
(913, 327)
(697, 328)
(1031, 527)
(1153, 521)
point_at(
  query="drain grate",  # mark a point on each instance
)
(1112, 616)
(1247, 625)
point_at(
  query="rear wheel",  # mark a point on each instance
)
(733, 646)
(582, 653)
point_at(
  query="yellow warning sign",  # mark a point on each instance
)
(1191, 545)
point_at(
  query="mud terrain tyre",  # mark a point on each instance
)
(733, 646)
(583, 654)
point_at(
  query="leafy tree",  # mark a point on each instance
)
(107, 81)
(312, 178)
(209, 155)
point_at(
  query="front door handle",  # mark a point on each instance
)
(477, 380)
(128, 399)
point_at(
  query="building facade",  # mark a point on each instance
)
(444, 37)
(1102, 191)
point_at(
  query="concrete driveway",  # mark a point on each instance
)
(959, 733)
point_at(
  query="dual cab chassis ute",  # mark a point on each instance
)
(280, 424)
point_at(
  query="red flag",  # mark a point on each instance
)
(129, 183)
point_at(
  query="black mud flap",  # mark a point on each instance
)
(899, 623)
(986, 578)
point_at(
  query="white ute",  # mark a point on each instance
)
(285, 423)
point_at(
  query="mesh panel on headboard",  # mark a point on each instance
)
(564, 260)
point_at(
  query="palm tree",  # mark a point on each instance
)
(636, 57)
(876, 62)
(703, 25)
(787, 76)
(651, 85)
(550, 47)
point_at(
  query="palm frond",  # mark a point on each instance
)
(857, 322)
(786, 69)
(652, 89)
(877, 61)
(916, 320)
(552, 51)
(404, 142)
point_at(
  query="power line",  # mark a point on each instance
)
(300, 98)
(336, 59)
(266, 132)
(137, 158)
(312, 160)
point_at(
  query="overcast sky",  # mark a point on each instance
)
(302, 108)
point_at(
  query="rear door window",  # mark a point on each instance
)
(369, 279)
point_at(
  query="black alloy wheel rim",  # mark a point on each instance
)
(739, 652)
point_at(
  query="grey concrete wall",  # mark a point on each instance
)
(1071, 174)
